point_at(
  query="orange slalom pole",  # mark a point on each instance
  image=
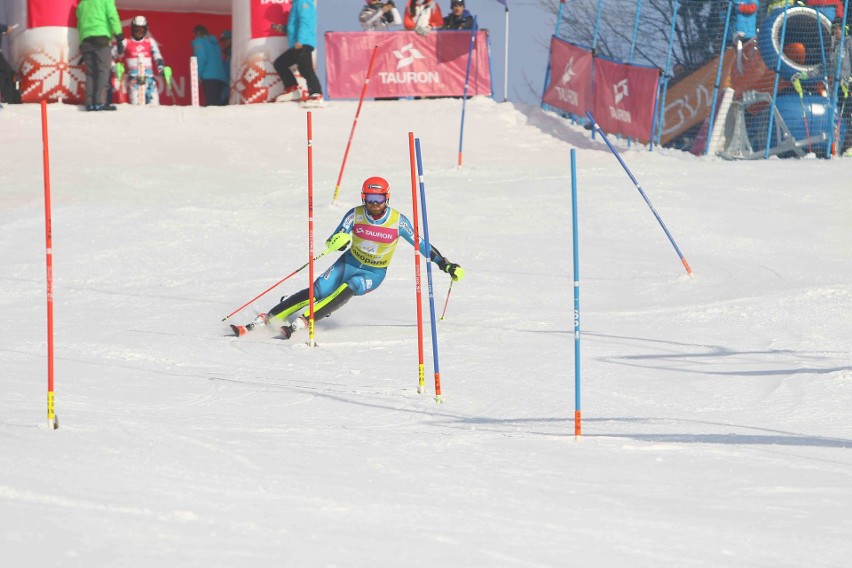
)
(311, 339)
(52, 421)
(355, 123)
(421, 370)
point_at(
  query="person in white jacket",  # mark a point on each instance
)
(379, 16)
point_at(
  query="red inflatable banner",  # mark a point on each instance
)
(624, 98)
(264, 13)
(44, 13)
(570, 87)
(407, 64)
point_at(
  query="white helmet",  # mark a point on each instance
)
(139, 24)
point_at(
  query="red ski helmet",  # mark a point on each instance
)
(375, 185)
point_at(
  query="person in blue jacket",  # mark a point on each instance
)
(374, 229)
(211, 70)
(301, 33)
(459, 18)
(745, 26)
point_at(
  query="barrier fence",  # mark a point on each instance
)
(739, 78)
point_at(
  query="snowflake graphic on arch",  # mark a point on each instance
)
(51, 77)
(258, 82)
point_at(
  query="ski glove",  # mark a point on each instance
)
(119, 39)
(455, 271)
(161, 65)
(338, 241)
(167, 75)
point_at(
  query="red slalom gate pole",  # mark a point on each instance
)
(52, 421)
(311, 339)
(421, 370)
(355, 123)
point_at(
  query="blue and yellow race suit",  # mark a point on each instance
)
(362, 268)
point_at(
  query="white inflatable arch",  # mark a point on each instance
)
(44, 48)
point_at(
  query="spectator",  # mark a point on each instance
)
(211, 71)
(422, 16)
(459, 18)
(97, 24)
(225, 43)
(745, 26)
(379, 16)
(301, 32)
(845, 52)
(8, 93)
(141, 54)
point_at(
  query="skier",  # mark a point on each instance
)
(141, 53)
(373, 229)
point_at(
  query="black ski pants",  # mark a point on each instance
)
(7, 82)
(303, 59)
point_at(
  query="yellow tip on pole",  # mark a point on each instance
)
(52, 423)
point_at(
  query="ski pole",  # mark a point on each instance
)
(797, 86)
(167, 75)
(641, 191)
(337, 241)
(447, 301)
(355, 123)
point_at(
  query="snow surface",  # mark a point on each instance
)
(716, 408)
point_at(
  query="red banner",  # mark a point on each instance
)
(407, 64)
(264, 13)
(44, 13)
(570, 86)
(624, 98)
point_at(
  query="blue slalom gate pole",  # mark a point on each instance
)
(466, 82)
(641, 191)
(577, 418)
(428, 272)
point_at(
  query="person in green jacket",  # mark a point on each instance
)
(97, 24)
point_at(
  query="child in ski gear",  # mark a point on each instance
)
(379, 16)
(141, 56)
(301, 33)
(373, 228)
(459, 18)
(423, 15)
(211, 70)
(97, 24)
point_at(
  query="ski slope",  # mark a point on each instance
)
(716, 427)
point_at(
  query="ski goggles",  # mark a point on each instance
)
(375, 198)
